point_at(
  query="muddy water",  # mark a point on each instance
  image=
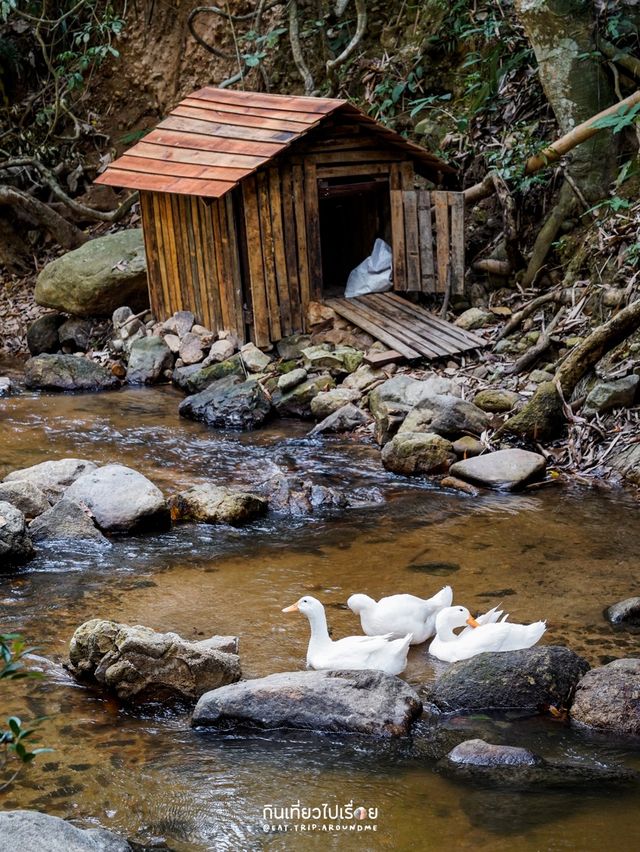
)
(556, 554)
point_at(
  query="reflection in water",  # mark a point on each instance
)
(548, 554)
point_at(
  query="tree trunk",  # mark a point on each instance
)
(561, 33)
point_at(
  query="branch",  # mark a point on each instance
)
(296, 49)
(64, 232)
(361, 25)
(620, 57)
(534, 352)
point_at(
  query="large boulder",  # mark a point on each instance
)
(216, 504)
(356, 702)
(121, 499)
(66, 521)
(530, 679)
(149, 359)
(229, 404)
(496, 400)
(345, 419)
(299, 496)
(504, 469)
(15, 544)
(608, 698)
(617, 393)
(391, 401)
(297, 402)
(98, 277)
(32, 831)
(42, 335)
(194, 378)
(445, 415)
(25, 496)
(142, 666)
(67, 373)
(53, 477)
(516, 768)
(413, 454)
(624, 615)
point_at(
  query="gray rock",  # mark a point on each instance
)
(75, 335)
(627, 462)
(290, 348)
(127, 326)
(341, 359)
(391, 401)
(620, 393)
(328, 402)
(496, 400)
(66, 521)
(67, 373)
(356, 702)
(149, 358)
(31, 831)
(98, 277)
(519, 769)
(297, 402)
(345, 419)
(624, 614)
(608, 698)
(191, 349)
(288, 381)
(526, 680)
(42, 335)
(475, 318)
(25, 496)
(221, 350)
(215, 504)
(254, 359)
(364, 378)
(504, 469)
(539, 376)
(173, 342)
(121, 499)
(229, 403)
(142, 666)
(412, 454)
(468, 447)
(301, 496)
(6, 386)
(15, 544)
(179, 324)
(446, 415)
(196, 378)
(52, 477)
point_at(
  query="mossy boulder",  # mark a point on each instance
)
(413, 454)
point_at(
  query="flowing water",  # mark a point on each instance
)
(553, 553)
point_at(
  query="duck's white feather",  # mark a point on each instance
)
(400, 614)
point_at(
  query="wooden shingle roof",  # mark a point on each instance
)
(216, 137)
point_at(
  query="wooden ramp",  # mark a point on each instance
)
(407, 328)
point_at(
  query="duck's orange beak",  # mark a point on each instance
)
(292, 608)
(472, 622)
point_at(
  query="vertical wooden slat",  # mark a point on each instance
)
(184, 285)
(275, 201)
(268, 256)
(456, 204)
(407, 175)
(313, 229)
(427, 271)
(254, 256)
(288, 219)
(192, 261)
(397, 240)
(395, 176)
(301, 240)
(224, 315)
(228, 294)
(442, 238)
(154, 279)
(158, 211)
(200, 236)
(174, 275)
(236, 275)
(412, 240)
(210, 251)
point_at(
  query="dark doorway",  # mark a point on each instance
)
(353, 212)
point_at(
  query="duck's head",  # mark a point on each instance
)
(357, 603)
(306, 605)
(454, 616)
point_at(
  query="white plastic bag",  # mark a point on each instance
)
(373, 275)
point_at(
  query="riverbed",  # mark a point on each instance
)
(558, 553)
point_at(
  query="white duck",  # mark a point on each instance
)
(400, 614)
(500, 636)
(355, 652)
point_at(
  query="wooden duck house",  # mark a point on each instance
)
(255, 204)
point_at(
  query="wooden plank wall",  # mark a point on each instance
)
(428, 240)
(192, 259)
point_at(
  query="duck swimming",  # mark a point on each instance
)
(400, 614)
(354, 652)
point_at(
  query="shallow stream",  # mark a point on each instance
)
(555, 553)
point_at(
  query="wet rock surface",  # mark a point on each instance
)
(121, 499)
(15, 544)
(42, 336)
(194, 378)
(229, 404)
(52, 477)
(608, 698)
(297, 402)
(345, 419)
(300, 496)
(605, 396)
(215, 504)
(67, 373)
(413, 454)
(66, 521)
(22, 830)
(25, 496)
(505, 469)
(149, 359)
(141, 665)
(529, 679)
(624, 615)
(328, 402)
(357, 702)
(496, 400)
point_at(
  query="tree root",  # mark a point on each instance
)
(548, 233)
(65, 233)
(534, 352)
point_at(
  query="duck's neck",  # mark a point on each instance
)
(446, 634)
(319, 632)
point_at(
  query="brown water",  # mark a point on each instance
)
(556, 554)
